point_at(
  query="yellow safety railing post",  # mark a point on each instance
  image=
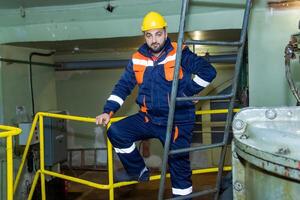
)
(9, 132)
(110, 165)
(110, 161)
(42, 154)
(9, 157)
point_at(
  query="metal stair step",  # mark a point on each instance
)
(199, 148)
(197, 98)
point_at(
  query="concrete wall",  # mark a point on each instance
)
(269, 33)
(16, 85)
(84, 93)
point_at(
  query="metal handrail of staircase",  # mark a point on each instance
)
(9, 132)
(240, 44)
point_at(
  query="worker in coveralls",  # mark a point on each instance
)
(152, 69)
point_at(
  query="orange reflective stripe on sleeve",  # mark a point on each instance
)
(169, 68)
(176, 133)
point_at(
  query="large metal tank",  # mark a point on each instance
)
(266, 154)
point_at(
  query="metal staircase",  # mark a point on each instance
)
(231, 96)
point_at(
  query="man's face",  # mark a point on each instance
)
(156, 39)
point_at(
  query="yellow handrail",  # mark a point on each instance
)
(219, 111)
(111, 185)
(9, 132)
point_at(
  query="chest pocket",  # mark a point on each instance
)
(169, 64)
(140, 63)
(139, 73)
(169, 69)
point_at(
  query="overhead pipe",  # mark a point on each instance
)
(224, 59)
(91, 64)
(116, 64)
(109, 64)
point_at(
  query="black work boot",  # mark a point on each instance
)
(122, 176)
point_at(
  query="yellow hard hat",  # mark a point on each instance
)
(153, 20)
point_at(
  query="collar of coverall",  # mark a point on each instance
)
(146, 51)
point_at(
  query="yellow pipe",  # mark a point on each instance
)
(77, 180)
(219, 111)
(210, 170)
(70, 117)
(9, 168)
(36, 177)
(9, 131)
(42, 155)
(115, 119)
(15, 130)
(111, 162)
(24, 156)
(110, 169)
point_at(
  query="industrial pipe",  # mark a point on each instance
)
(116, 64)
(30, 75)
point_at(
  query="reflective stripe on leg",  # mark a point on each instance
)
(125, 150)
(177, 191)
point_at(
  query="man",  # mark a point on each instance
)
(152, 69)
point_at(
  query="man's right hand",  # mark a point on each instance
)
(102, 119)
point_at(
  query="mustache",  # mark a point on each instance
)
(154, 44)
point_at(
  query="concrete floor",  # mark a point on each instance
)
(145, 191)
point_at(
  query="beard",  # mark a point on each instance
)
(156, 47)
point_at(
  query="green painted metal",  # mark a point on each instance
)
(96, 11)
(265, 153)
(13, 4)
(1, 97)
(84, 21)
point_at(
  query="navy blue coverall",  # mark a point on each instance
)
(154, 78)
